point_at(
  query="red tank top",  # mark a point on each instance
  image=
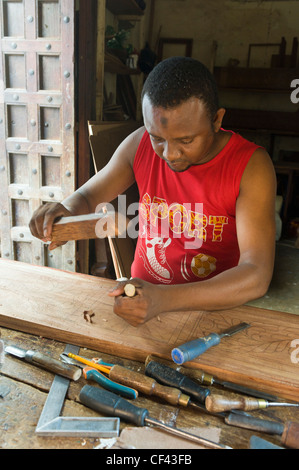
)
(187, 229)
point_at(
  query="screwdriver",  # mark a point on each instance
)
(192, 349)
(113, 405)
(207, 379)
(172, 378)
(218, 403)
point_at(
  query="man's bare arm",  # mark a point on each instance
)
(103, 187)
(255, 216)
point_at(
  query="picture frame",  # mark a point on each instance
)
(169, 47)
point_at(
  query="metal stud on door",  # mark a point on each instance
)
(37, 144)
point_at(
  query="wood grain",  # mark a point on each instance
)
(51, 303)
(86, 227)
(81, 227)
(21, 434)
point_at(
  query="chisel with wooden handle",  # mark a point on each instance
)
(218, 403)
(46, 362)
(288, 431)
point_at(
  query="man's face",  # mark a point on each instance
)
(182, 136)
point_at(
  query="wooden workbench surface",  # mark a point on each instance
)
(24, 389)
(52, 303)
(42, 309)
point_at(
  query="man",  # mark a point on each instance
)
(207, 201)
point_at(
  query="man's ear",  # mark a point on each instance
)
(217, 122)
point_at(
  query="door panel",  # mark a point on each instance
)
(37, 122)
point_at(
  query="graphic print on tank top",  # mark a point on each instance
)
(201, 266)
(154, 241)
(169, 217)
(153, 253)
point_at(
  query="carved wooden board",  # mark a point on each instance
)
(51, 303)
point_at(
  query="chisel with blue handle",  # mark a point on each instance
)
(106, 402)
(192, 349)
(92, 374)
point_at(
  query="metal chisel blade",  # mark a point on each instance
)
(1, 352)
(234, 329)
(15, 351)
(68, 360)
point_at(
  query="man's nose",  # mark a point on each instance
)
(170, 152)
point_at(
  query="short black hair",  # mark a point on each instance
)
(178, 79)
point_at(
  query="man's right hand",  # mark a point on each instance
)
(42, 221)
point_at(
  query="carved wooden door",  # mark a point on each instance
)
(37, 135)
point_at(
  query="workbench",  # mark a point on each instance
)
(24, 389)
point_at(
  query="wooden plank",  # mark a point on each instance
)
(80, 227)
(51, 303)
(279, 122)
(252, 78)
(84, 227)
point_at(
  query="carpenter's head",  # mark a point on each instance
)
(181, 112)
(178, 79)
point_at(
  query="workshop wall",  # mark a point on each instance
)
(222, 32)
(233, 24)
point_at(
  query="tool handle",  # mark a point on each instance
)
(256, 424)
(289, 431)
(197, 374)
(172, 378)
(290, 435)
(57, 367)
(218, 403)
(93, 374)
(147, 385)
(192, 349)
(112, 405)
(130, 290)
